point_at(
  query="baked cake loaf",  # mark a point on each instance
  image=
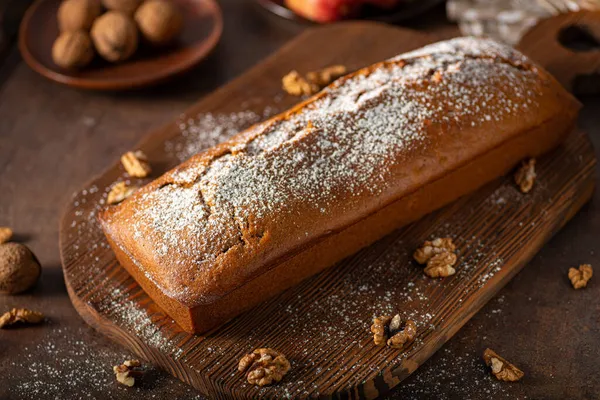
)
(377, 149)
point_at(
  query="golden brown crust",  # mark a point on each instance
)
(204, 263)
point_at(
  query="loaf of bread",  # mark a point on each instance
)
(377, 149)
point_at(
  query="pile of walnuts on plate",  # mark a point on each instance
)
(112, 29)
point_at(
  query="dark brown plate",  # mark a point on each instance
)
(400, 13)
(203, 24)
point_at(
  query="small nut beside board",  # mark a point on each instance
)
(20, 316)
(127, 372)
(502, 369)
(19, 268)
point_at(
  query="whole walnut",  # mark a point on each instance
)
(159, 21)
(125, 6)
(19, 268)
(75, 15)
(72, 50)
(115, 36)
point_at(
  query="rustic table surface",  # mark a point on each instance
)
(53, 139)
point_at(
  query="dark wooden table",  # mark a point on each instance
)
(53, 139)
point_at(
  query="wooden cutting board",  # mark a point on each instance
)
(322, 325)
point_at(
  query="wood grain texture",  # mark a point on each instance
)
(202, 28)
(322, 325)
(568, 45)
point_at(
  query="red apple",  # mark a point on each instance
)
(324, 10)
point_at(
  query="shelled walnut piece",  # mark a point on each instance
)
(580, 276)
(297, 85)
(502, 369)
(525, 175)
(127, 372)
(379, 329)
(19, 268)
(439, 257)
(20, 315)
(136, 164)
(120, 192)
(5, 234)
(441, 265)
(264, 366)
(393, 332)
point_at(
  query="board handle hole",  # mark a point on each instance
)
(578, 38)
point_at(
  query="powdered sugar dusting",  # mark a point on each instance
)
(206, 130)
(132, 317)
(81, 371)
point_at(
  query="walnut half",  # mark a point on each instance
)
(393, 331)
(21, 315)
(441, 265)
(439, 257)
(580, 276)
(264, 366)
(502, 369)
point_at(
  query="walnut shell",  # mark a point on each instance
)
(19, 268)
(125, 6)
(72, 50)
(115, 36)
(159, 21)
(75, 15)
